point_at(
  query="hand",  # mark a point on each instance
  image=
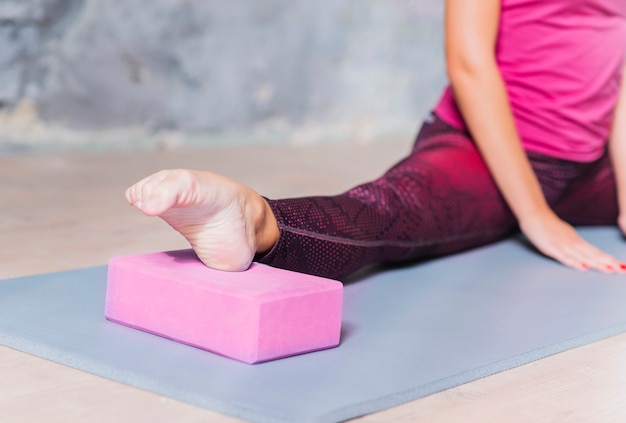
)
(559, 240)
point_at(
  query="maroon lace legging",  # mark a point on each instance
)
(439, 200)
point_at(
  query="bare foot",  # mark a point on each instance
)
(225, 222)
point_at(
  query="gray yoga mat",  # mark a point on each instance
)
(407, 332)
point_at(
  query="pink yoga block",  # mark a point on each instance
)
(258, 315)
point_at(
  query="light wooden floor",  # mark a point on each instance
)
(64, 212)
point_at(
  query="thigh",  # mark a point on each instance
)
(591, 199)
(449, 192)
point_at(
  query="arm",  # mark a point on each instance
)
(471, 33)
(617, 149)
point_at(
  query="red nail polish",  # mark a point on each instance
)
(622, 266)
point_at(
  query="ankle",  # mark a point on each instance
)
(266, 226)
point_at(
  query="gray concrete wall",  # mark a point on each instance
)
(110, 74)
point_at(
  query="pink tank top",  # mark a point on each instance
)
(562, 62)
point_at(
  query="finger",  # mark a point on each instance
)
(578, 254)
(572, 260)
(595, 258)
(607, 264)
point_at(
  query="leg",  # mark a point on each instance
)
(591, 198)
(439, 200)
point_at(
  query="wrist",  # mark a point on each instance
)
(532, 215)
(530, 210)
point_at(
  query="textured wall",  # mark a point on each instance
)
(102, 74)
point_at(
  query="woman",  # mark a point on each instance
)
(527, 135)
